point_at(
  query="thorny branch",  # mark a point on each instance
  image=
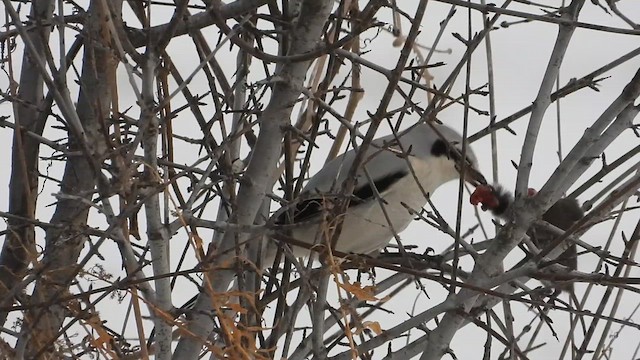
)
(174, 131)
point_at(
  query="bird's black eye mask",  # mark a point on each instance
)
(442, 148)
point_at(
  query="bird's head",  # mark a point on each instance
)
(443, 147)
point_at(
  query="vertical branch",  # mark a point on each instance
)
(629, 249)
(63, 244)
(461, 181)
(492, 99)
(380, 114)
(289, 55)
(590, 288)
(594, 141)
(599, 351)
(18, 249)
(156, 232)
(263, 163)
(440, 338)
(543, 99)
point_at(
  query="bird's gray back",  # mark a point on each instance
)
(382, 156)
(379, 161)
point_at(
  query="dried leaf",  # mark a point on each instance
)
(361, 293)
(373, 326)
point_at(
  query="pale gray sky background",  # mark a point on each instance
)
(520, 55)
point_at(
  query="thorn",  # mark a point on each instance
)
(461, 39)
(510, 130)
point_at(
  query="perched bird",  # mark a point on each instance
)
(563, 214)
(428, 153)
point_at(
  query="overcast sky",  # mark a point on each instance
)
(520, 55)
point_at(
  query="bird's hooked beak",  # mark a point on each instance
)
(473, 176)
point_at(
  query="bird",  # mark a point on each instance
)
(563, 214)
(430, 153)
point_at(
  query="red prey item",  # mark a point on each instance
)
(492, 197)
(486, 196)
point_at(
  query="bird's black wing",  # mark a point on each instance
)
(313, 206)
(366, 192)
(563, 214)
